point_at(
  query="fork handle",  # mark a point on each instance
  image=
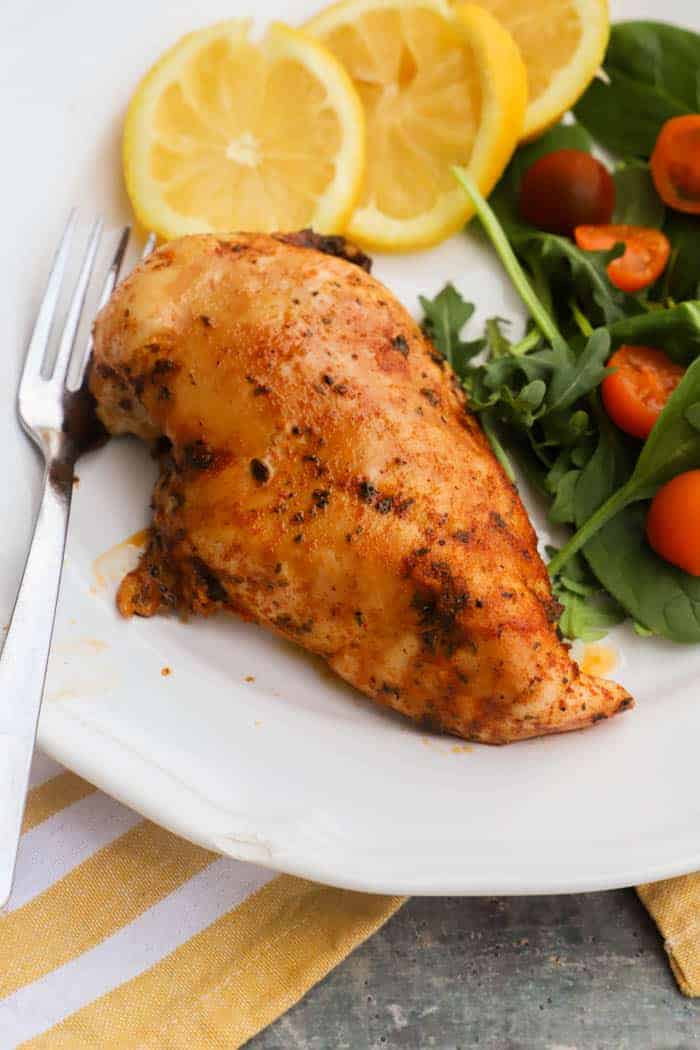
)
(25, 657)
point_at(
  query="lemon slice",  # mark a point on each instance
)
(227, 134)
(440, 87)
(562, 43)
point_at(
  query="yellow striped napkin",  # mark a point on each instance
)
(121, 935)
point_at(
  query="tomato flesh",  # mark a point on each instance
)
(635, 394)
(646, 253)
(675, 163)
(673, 522)
(566, 189)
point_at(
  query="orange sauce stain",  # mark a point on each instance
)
(461, 749)
(165, 671)
(95, 643)
(115, 562)
(598, 660)
(250, 678)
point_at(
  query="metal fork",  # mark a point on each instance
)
(59, 418)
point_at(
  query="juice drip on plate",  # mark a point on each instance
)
(110, 566)
(598, 660)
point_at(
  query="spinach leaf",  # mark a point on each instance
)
(674, 444)
(652, 76)
(672, 448)
(682, 277)
(661, 598)
(675, 330)
(636, 201)
(692, 414)
(624, 115)
(663, 56)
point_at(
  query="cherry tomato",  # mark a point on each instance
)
(635, 393)
(566, 189)
(645, 258)
(673, 522)
(675, 163)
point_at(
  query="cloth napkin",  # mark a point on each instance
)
(120, 935)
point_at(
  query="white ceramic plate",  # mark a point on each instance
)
(249, 746)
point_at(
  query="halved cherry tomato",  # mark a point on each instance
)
(635, 393)
(673, 522)
(645, 258)
(675, 163)
(566, 189)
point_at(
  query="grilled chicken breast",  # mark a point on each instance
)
(321, 475)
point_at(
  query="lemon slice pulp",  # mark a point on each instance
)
(227, 134)
(440, 87)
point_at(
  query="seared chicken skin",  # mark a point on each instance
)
(321, 475)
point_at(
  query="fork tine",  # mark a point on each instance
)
(76, 304)
(107, 289)
(36, 351)
(149, 246)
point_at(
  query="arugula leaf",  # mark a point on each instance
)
(607, 470)
(588, 618)
(636, 201)
(588, 612)
(444, 318)
(562, 510)
(496, 342)
(570, 268)
(573, 379)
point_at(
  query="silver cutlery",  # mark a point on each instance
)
(57, 412)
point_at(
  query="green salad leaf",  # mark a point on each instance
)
(676, 329)
(444, 318)
(636, 201)
(544, 396)
(651, 75)
(682, 277)
(661, 598)
(673, 447)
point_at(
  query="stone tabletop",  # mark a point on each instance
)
(582, 972)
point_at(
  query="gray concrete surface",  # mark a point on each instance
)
(585, 972)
